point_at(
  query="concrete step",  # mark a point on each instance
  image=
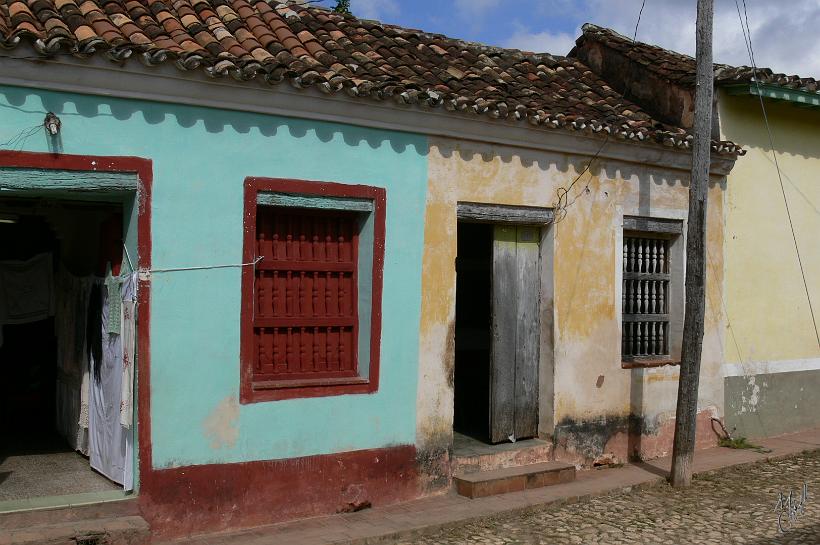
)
(477, 457)
(26, 518)
(116, 531)
(105, 523)
(513, 479)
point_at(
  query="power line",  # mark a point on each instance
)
(563, 203)
(747, 37)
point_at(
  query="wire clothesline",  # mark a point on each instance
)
(204, 267)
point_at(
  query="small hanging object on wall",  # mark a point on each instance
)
(52, 124)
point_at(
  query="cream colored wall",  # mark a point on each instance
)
(590, 383)
(766, 299)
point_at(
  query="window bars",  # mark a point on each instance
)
(645, 294)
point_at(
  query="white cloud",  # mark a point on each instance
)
(475, 11)
(374, 9)
(779, 30)
(558, 43)
(782, 32)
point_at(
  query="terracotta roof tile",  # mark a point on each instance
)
(254, 39)
(680, 69)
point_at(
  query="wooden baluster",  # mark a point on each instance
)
(274, 247)
(626, 255)
(328, 349)
(624, 288)
(303, 363)
(289, 351)
(260, 349)
(289, 241)
(327, 293)
(639, 264)
(628, 326)
(341, 241)
(275, 298)
(342, 293)
(662, 258)
(316, 349)
(304, 246)
(342, 353)
(631, 265)
(645, 339)
(665, 338)
(329, 247)
(261, 241)
(652, 339)
(662, 296)
(315, 299)
(315, 253)
(302, 294)
(275, 334)
(652, 300)
(645, 296)
(638, 297)
(289, 294)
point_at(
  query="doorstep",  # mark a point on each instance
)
(419, 517)
(113, 522)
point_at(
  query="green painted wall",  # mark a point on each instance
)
(772, 404)
(200, 158)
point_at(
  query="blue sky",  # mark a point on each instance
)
(781, 31)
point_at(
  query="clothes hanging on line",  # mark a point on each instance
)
(110, 442)
(71, 306)
(26, 290)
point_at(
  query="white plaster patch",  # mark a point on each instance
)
(749, 404)
(220, 426)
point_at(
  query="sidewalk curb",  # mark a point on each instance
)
(409, 534)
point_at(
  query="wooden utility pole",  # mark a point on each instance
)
(687, 410)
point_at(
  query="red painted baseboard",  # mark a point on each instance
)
(199, 499)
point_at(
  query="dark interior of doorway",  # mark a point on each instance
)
(473, 330)
(35, 461)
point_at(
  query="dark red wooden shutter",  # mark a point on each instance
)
(305, 294)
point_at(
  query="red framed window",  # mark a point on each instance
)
(312, 302)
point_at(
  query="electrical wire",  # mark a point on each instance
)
(563, 203)
(747, 38)
(20, 138)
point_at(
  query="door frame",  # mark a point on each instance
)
(142, 170)
(518, 215)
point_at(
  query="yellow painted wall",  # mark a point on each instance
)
(766, 299)
(590, 383)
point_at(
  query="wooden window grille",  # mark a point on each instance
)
(305, 323)
(646, 279)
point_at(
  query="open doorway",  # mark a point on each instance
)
(473, 335)
(497, 331)
(67, 318)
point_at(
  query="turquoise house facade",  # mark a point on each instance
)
(197, 425)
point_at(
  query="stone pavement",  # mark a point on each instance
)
(732, 506)
(566, 513)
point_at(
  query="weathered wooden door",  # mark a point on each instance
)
(515, 338)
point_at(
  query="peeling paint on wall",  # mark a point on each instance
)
(220, 426)
(594, 414)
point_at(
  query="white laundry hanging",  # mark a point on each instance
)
(110, 444)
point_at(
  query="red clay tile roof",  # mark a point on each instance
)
(309, 46)
(680, 69)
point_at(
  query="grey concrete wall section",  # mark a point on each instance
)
(772, 404)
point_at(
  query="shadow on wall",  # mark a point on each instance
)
(546, 161)
(794, 130)
(214, 120)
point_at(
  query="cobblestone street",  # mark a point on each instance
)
(733, 506)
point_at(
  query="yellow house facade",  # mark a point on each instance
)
(771, 218)
(773, 356)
